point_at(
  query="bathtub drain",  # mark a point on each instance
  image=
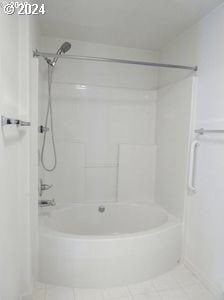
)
(101, 209)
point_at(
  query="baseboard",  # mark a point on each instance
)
(215, 289)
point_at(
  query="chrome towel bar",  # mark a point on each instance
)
(202, 131)
(192, 164)
(11, 121)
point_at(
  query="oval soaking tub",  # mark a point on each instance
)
(106, 245)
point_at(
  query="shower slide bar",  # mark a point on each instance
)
(37, 53)
(202, 131)
(11, 121)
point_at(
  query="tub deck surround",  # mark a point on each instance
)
(83, 247)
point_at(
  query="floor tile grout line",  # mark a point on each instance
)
(130, 291)
(45, 293)
(186, 294)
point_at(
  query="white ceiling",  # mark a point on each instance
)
(146, 24)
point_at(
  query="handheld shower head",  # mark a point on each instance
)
(65, 47)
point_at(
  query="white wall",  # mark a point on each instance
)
(15, 229)
(115, 107)
(204, 45)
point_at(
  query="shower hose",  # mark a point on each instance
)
(49, 115)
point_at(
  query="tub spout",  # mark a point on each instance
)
(46, 203)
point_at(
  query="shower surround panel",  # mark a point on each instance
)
(92, 125)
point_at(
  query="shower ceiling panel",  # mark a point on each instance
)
(146, 24)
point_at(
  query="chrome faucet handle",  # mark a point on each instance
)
(45, 187)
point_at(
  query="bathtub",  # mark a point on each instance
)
(106, 245)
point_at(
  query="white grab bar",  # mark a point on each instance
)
(191, 183)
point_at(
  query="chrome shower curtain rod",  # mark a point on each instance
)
(37, 53)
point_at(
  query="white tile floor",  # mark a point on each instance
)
(178, 284)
